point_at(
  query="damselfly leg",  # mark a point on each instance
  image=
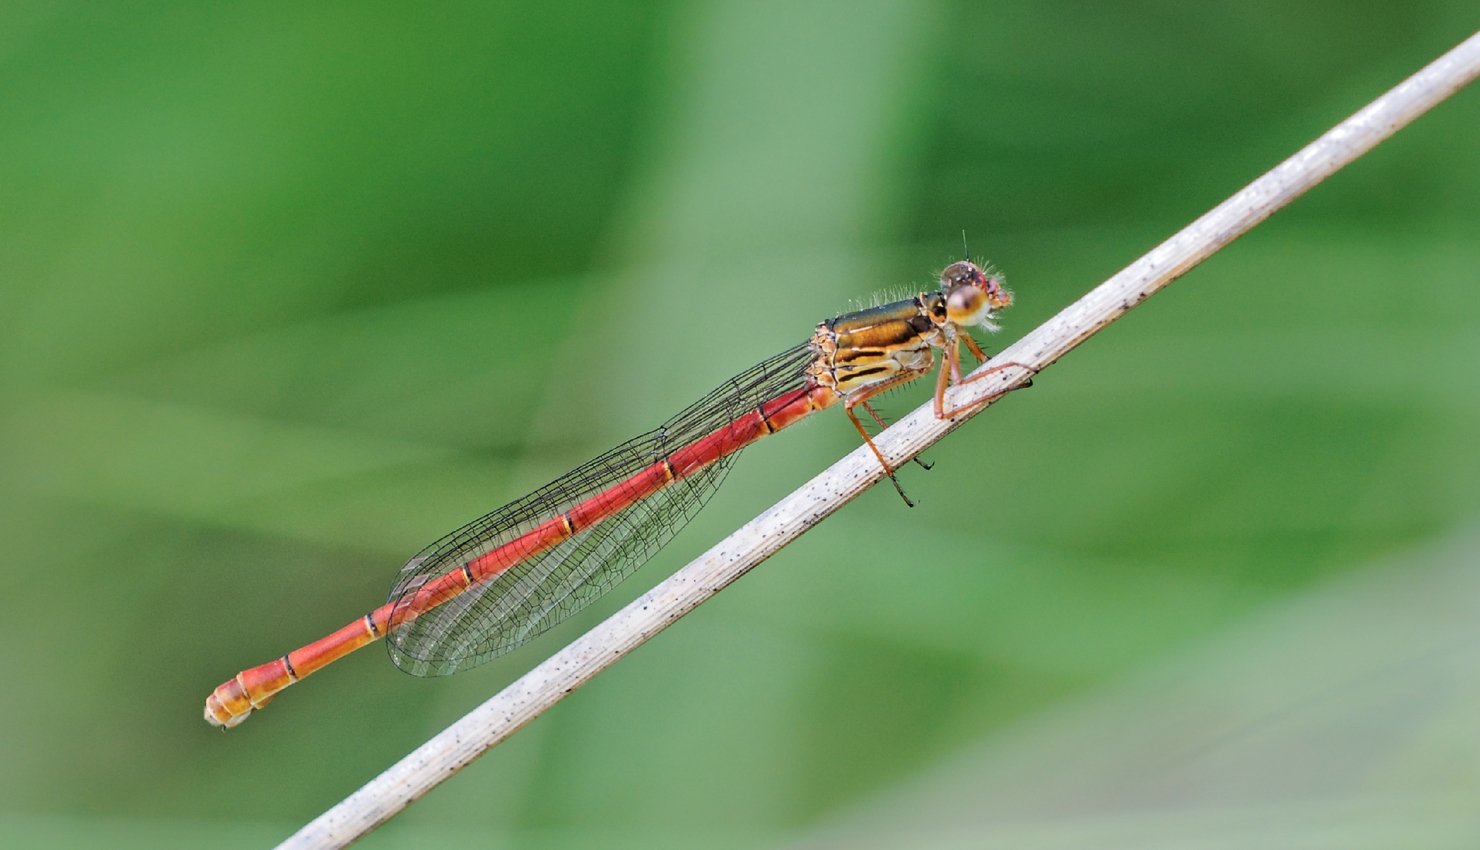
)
(950, 376)
(862, 399)
(884, 425)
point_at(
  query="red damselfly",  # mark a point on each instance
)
(500, 580)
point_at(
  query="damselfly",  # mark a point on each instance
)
(499, 581)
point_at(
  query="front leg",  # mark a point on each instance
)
(976, 350)
(950, 376)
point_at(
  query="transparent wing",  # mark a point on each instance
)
(496, 615)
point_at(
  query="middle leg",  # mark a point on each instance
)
(883, 425)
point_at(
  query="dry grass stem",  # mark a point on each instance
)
(578, 663)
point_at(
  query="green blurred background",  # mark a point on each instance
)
(287, 291)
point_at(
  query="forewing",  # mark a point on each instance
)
(498, 614)
(495, 616)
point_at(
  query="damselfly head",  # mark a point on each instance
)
(972, 295)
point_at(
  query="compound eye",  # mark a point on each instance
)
(958, 273)
(965, 304)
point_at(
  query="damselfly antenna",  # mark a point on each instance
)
(963, 246)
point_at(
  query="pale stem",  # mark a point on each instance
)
(578, 663)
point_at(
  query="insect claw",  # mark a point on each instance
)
(900, 490)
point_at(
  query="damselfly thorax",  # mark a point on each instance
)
(858, 353)
(884, 345)
(862, 354)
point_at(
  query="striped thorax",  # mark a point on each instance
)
(893, 343)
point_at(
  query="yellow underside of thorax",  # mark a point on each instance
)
(887, 344)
